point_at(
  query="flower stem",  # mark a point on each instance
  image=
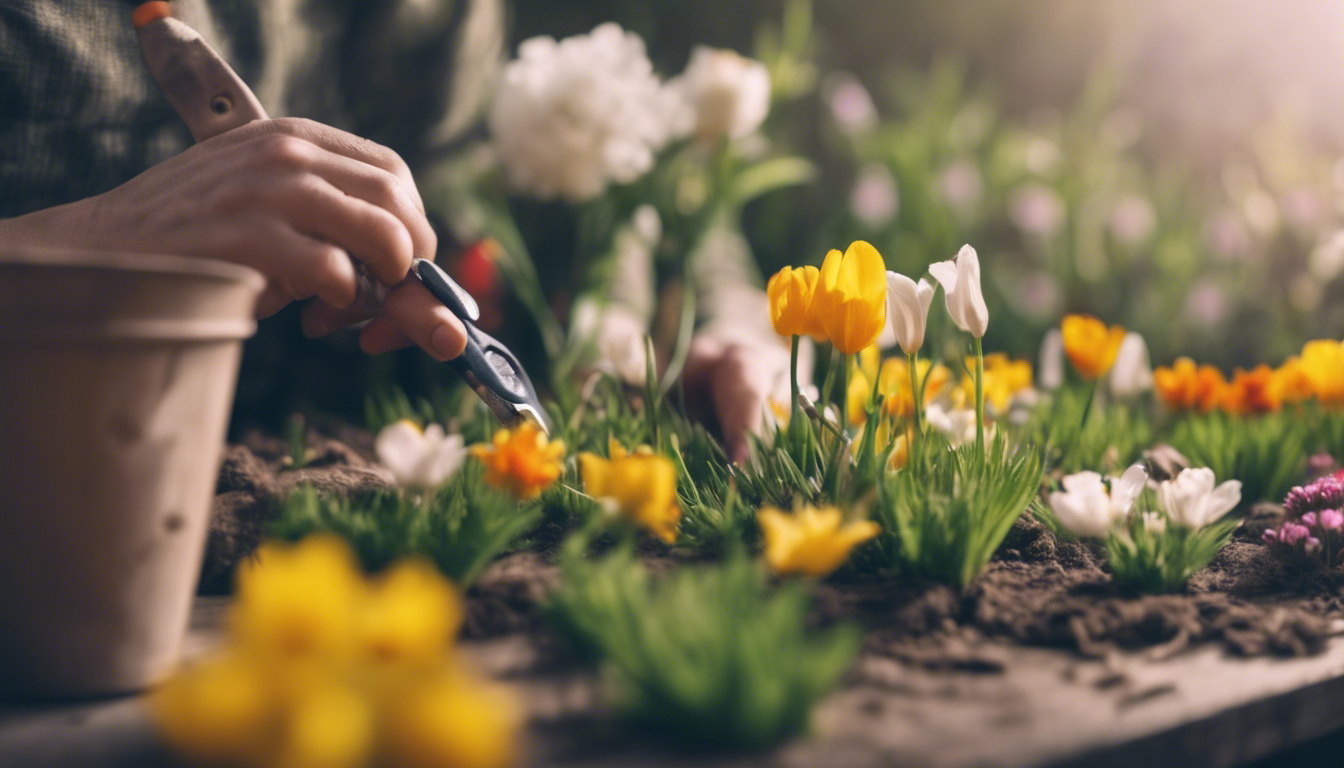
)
(915, 399)
(793, 386)
(843, 407)
(979, 397)
(829, 380)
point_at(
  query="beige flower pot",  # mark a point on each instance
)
(117, 374)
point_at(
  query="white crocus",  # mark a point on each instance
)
(1132, 373)
(419, 460)
(573, 116)
(1192, 500)
(1086, 508)
(960, 279)
(728, 94)
(955, 424)
(908, 310)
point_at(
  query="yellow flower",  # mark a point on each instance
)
(640, 488)
(790, 291)
(1091, 347)
(216, 711)
(900, 453)
(453, 722)
(851, 297)
(811, 541)
(299, 601)
(521, 461)
(328, 725)
(894, 384)
(413, 614)
(856, 399)
(1293, 384)
(1323, 364)
(1004, 379)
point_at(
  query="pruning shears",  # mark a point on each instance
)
(211, 99)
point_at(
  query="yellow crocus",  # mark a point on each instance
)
(216, 711)
(412, 614)
(1090, 345)
(327, 724)
(455, 721)
(1322, 362)
(521, 461)
(812, 541)
(1005, 378)
(851, 297)
(894, 384)
(790, 291)
(300, 601)
(640, 488)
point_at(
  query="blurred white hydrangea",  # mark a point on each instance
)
(728, 94)
(572, 116)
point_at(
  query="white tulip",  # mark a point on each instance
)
(960, 279)
(1192, 500)
(1085, 507)
(908, 310)
(419, 460)
(1050, 366)
(1132, 373)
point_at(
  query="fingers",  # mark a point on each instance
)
(297, 266)
(385, 190)
(411, 312)
(321, 318)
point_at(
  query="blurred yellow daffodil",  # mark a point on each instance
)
(1090, 345)
(521, 461)
(790, 291)
(1322, 362)
(640, 488)
(851, 297)
(812, 541)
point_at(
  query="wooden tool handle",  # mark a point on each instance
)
(208, 95)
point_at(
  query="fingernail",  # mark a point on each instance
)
(445, 342)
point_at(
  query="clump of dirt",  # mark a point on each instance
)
(255, 479)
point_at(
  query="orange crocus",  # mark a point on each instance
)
(521, 461)
(1252, 392)
(1186, 386)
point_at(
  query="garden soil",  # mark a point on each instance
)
(1037, 591)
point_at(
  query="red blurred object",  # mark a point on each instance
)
(476, 270)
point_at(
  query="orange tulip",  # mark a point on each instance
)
(1252, 392)
(1185, 386)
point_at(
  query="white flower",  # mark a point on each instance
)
(908, 310)
(419, 460)
(1085, 507)
(570, 117)
(1155, 523)
(961, 285)
(1050, 365)
(1132, 373)
(1192, 501)
(956, 424)
(728, 94)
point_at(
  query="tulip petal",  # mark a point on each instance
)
(1127, 487)
(1222, 500)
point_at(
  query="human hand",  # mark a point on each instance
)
(301, 202)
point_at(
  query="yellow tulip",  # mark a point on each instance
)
(640, 488)
(894, 384)
(790, 291)
(851, 297)
(1323, 364)
(1005, 378)
(521, 461)
(1091, 347)
(328, 725)
(812, 540)
(1292, 382)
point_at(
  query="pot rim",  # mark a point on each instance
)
(130, 261)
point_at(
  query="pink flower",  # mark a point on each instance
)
(1332, 519)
